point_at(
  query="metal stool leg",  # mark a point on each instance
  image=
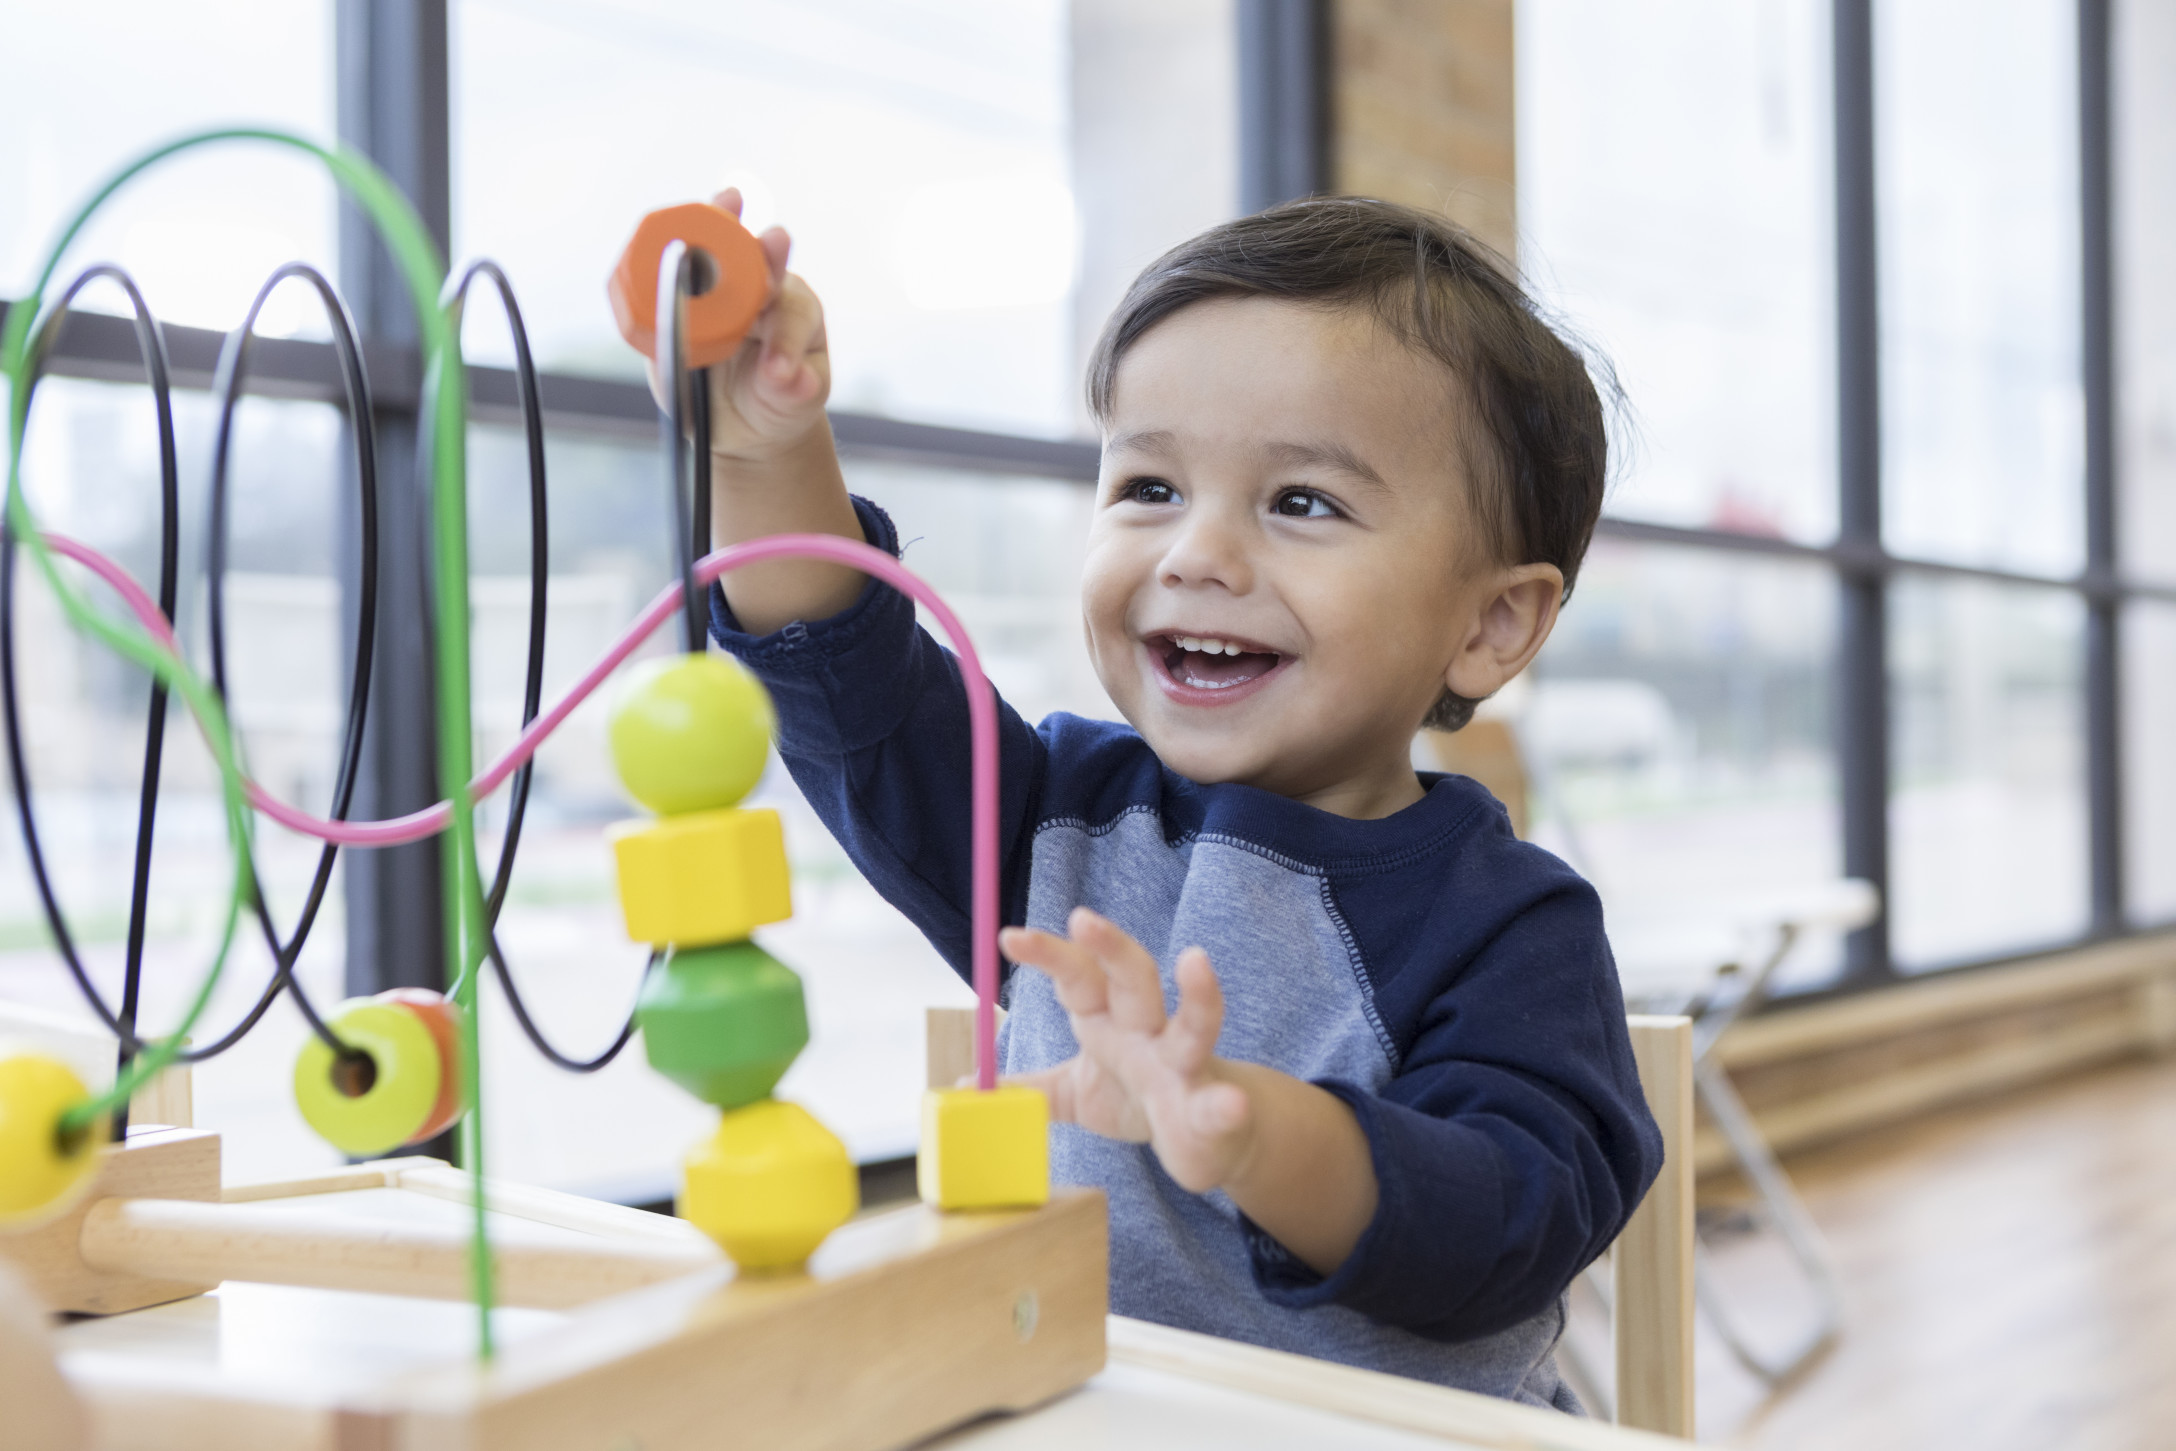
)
(1787, 1213)
(1594, 1393)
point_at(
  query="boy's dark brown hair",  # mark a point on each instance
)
(1542, 458)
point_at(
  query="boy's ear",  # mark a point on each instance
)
(1510, 628)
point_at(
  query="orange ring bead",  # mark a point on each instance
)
(716, 319)
(442, 1016)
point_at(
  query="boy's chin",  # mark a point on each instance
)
(1208, 757)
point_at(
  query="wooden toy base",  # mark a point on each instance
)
(907, 1322)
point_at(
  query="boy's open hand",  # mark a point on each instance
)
(768, 395)
(1141, 1074)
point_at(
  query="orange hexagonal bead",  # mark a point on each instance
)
(718, 318)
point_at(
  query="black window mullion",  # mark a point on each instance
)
(1862, 676)
(391, 60)
(2103, 661)
(1283, 56)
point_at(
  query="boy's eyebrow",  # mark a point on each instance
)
(1148, 440)
(1330, 455)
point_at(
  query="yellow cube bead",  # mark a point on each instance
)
(984, 1150)
(769, 1185)
(707, 877)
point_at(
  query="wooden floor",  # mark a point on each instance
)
(2011, 1273)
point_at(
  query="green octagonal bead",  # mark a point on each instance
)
(723, 1022)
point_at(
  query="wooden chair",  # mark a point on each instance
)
(1717, 960)
(1651, 1316)
(1651, 1265)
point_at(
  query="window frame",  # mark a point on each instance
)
(392, 62)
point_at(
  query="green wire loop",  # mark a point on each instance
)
(445, 414)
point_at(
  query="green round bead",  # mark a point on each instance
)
(690, 733)
(724, 1023)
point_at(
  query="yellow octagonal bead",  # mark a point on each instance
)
(702, 878)
(769, 1185)
(984, 1150)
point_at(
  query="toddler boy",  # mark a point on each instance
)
(1348, 1058)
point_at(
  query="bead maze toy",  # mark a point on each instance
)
(773, 1321)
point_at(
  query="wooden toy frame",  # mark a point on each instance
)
(666, 1344)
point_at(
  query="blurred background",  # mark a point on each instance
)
(1885, 591)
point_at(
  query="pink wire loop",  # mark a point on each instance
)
(981, 731)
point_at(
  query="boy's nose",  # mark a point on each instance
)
(1208, 550)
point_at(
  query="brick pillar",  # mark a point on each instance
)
(1421, 106)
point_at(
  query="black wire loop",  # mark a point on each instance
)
(227, 386)
(532, 698)
(688, 396)
(227, 380)
(151, 346)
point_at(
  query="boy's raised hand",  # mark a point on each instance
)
(768, 395)
(1141, 1074)
(773, 467)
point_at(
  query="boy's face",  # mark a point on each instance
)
(1283, 573)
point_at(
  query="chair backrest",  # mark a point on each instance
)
(1487, 749)
(951, 1045)
(1651, 1263)
(1651, 1308)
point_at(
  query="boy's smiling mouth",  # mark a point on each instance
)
(1207, 669)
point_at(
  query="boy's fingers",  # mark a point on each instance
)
(728, 200)
(1200, 1018)
(1136, 987)
(776, 244)
(796, 321)
(1055, 1084)
(792, 333)
(1219, 1109)
(1071, 968)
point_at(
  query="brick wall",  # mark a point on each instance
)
(1421, 108)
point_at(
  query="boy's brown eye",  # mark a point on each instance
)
(1303, 504)
(1152, 491)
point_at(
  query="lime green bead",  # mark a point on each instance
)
(690, 733)
(723, 1022)
(405, 1073)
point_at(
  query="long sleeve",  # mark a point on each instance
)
(1511, 1145)
(872, 725)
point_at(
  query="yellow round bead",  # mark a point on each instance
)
(42, 1169)
(769, 1185)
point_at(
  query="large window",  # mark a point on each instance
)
(1894, 599)
(919, 154)
(1748, 207)
(1680, 719)
(87, 89)
(1674, 203)
(970, 184)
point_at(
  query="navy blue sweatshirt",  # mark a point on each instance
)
(1449, 982)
